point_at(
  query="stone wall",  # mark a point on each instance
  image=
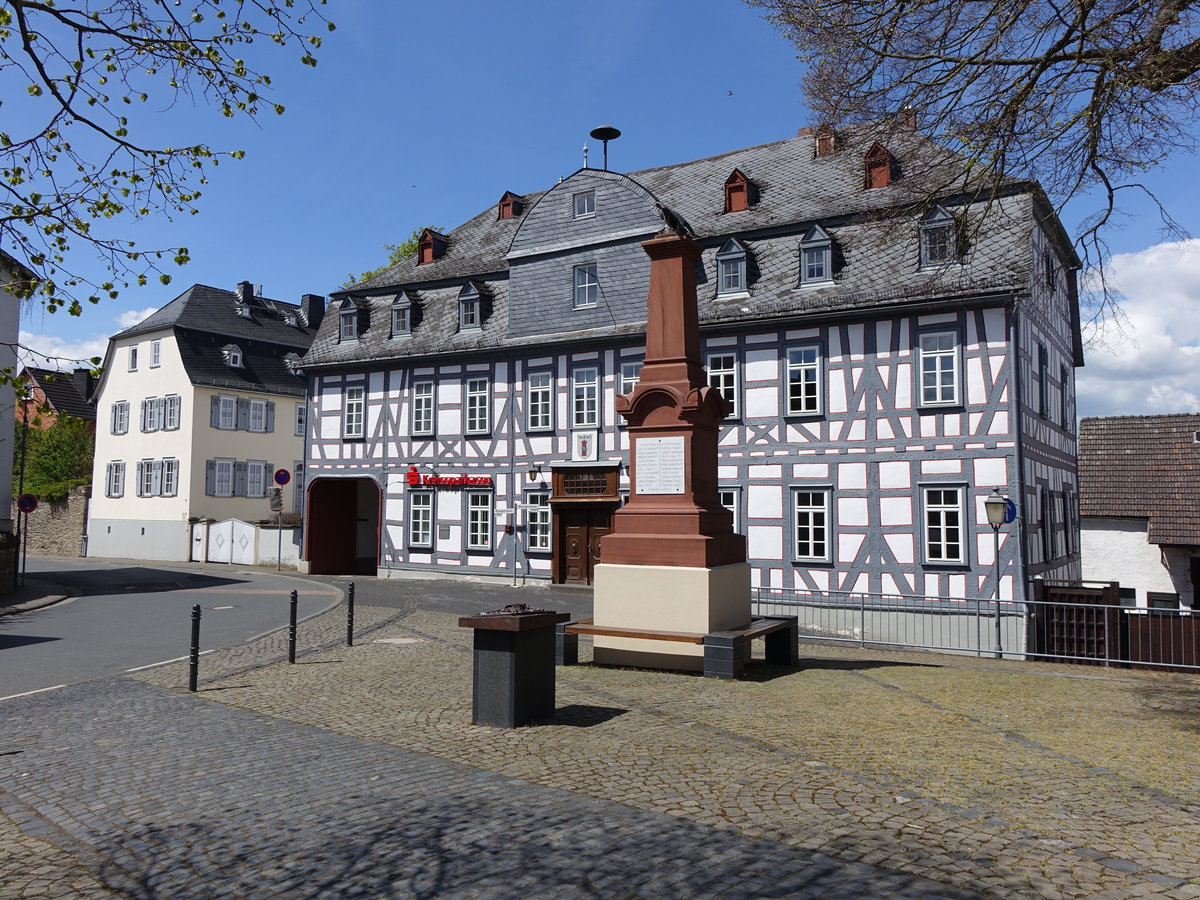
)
(55, 528)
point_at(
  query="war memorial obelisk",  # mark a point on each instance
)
(672, 562)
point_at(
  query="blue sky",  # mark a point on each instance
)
(423, 114)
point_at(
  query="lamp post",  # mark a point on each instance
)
(997, 510)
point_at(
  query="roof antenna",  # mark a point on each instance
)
(605, 133)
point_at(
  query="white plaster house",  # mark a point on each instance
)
(198, 405)
(1139, 504)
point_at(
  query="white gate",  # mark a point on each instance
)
(199, 542)
(231, 541)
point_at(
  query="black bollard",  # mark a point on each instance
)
(350, 616)
(292, 628)
(194, 659)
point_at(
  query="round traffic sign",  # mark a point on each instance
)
(282, 476)
(1010, 511)
(27, 503)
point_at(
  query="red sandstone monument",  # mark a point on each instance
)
(672, 562)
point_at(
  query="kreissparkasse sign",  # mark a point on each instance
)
(416, 479)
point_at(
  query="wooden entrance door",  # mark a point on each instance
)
(580, 528)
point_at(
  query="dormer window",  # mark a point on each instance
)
(816, 257)
(292, 361)
(509, 207)
(291, 319)
(469, 308)
(731, 269)
(348, 322)
(401, 316)
(939, 239)
(584, 204)
(430, 246)
(737, 192)
(233, 356)
(880, 166)
(243, 310)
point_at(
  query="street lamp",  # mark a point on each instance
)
(997, 511)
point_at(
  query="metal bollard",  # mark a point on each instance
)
(292, 628)
(194, 659)
(350, 616)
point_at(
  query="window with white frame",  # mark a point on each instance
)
(133, 358)
(730, 498)
(731, 268)
(353, 413)
(222, 477)
(225, 413)
(469, 308)
(420, 518)
(233, 356)
(422, 408)
(258, 415)
(155, 354)
(938, 354)
(401, 317)
(171, 412)
(585, 397)
(348, 322)
(939, 238)
(944, 539)
(539, 401)
(114, 481)
(723, 375)
(153, 411)
(811, 524)
(149, 474)
(301, 418)
(584, 204)
(816, 257)
(804, 381)
(587, 285)
(537, 520)
(256, 478)
(479, 520)
(631, 374)
(170, 477)
(120, 417)
(478, 415)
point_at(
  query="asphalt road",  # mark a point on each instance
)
(132, 615)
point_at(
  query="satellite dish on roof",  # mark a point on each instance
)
(605, 133)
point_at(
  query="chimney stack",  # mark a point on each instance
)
(245, 292)
(313, 308)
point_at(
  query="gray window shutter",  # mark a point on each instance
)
(243, 414)
(145, 407)
(140, 468)
(108, 480)
(158, 408)
(156, 478)
(113, 426)
(270, 416)
(215, 412)
(210, 477)
(239, 477)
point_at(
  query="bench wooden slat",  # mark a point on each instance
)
(587, 627)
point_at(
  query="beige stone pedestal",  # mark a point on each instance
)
(666, 598)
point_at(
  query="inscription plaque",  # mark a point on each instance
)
(659, 465)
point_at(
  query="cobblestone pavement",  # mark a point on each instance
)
(357, 772)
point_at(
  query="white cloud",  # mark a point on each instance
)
(1150, 362)
(133, 316)
(51, 352)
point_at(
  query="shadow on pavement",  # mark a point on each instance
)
(580, 715)
(21, 640)
(91, 582)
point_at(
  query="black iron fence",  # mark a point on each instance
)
(1057, 630)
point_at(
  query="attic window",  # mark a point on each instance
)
(940, 239)
(292, 361)
(584, 204)
(510, 206)
(737, 192)
(430, 246)
(469, 308)
(243, 310)
(816, 257)
(401, 316)
(233, 355)
(290, 319)
(731, 269)
(348, 322)
(881, 167)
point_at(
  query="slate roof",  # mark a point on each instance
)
(263, 369)
(795, 189)
(62, 390)
(1145, 467)
(214, 310)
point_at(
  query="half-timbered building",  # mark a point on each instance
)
(891, 358)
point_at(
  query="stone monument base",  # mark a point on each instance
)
(666, 598)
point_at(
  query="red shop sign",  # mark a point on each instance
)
(416, 479)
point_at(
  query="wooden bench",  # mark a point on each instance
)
(725, 652)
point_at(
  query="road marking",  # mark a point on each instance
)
(38, 691)
(168, 661)
(222, 607)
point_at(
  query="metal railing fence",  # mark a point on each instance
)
(1082, 633)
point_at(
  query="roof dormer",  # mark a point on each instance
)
(232, 355)
(738, 189)
(470, 308)
(431, 246)
(881, 167)
(349, 324)
(509, 207)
